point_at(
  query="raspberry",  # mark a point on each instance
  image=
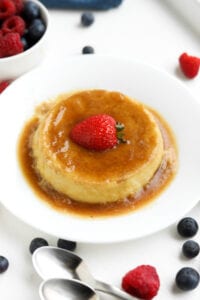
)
(10, 44)
(19, 5)
(3, 85)
(14, 24)
(7, 9)
(189, 65)
(142, 282)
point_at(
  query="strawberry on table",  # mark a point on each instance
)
(98, 132)
(189, 65)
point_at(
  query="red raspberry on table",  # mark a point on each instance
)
(10, 44)
(14, 24)
(142, 282)
(19, 5)
(7, 9)
(95, 133)
(189, 65)
(3, 85)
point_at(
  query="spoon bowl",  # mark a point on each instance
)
(53, 262)
(62, 289)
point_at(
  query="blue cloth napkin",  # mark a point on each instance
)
(82, 4)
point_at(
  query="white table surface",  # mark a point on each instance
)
(154, 33)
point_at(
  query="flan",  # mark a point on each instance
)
(97, 176)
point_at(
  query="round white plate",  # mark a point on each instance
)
(145, 83)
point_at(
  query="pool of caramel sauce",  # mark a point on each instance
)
(161, 179)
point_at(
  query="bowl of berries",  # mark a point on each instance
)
(24, 30)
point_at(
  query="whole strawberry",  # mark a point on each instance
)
(142, 282)
(189, 65)
(97, 133)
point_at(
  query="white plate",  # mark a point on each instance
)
(145, 83)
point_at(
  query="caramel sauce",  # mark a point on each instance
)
(101, 165)
(61, 202)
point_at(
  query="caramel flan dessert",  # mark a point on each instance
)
(97, 176)
(96, 147)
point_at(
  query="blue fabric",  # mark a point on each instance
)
(82, 4)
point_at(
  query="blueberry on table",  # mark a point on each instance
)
(190, 249)
(87, 50)
(37, 243)
(187, 279)
(87, 18)
(187, 227)
(31, 11)
(67, 245)
(3, 264)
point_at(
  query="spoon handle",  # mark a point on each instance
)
(112, 290)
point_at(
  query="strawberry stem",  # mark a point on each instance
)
(119, 126)
(120, 134)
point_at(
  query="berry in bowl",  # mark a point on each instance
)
(23, 36)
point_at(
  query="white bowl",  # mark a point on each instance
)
(14, 66)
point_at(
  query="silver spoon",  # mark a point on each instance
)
(53, 262)
(62, 289)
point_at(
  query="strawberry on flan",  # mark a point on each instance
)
(91, 175)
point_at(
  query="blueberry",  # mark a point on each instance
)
(87, 19)
(25, 43)
(190, 249)
(36, 30)
(37, 243)
(187, 227)
(31, 11)
(67, 245)
(87, 50)
(187, 279)
(3, 264)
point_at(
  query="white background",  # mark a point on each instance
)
(151, 31)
